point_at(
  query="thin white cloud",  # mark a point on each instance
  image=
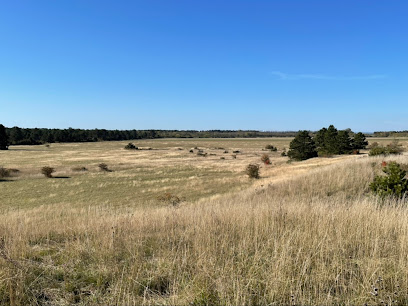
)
(287, 76)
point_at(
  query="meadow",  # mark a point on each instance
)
(304, 233)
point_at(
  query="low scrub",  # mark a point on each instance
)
(393, 183)
(104, 167)
(4, 172)
(170, 198)
(265, 159)
(252, 170)
(131, 146)
(271, 148)
(394, 148)
(47, 171)
(79, 169)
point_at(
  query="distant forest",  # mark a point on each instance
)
(391, 134)
(33, 136)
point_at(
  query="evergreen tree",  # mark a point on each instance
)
(344, 142)
(4, 141)
(319, 139)
(302, 147)
(359, 141)
(331, 144)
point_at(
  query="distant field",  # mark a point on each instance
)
(138, 176)
(305, 233)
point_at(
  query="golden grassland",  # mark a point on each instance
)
(305, 233)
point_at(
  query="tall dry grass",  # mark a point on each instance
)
(319, 238)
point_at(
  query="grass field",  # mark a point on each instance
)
(305, 233)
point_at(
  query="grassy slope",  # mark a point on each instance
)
(307, 232)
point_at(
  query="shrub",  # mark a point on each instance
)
(104, 167)
(252, 171)
(392, 148)
(234, 156)
(47, 171)
(395, 147)
(4, 172)
(201, 154)
(131, 146)
(393, 183)
(265, 159)
(378, 150)
(271, 148)
(236, 151)
(170, 198)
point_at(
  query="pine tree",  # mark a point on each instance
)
(331, 144)
(4, 141)
(359, 141)
(319, 139)
(344, 142)
(302, 147)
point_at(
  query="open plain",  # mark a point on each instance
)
(168, 226)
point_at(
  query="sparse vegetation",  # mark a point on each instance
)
(104, 167)
(394, 148)
(47, 171)
(170, 198)
(79, 169)
(280, 239)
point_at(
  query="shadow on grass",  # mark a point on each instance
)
(3, 180)
(61, 177)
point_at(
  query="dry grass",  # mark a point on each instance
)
(306, 233)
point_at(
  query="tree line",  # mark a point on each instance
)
(36, 136)
(325, 142)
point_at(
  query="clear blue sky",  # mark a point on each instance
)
(264, 65)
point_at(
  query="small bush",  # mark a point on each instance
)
(378, 150)
(170, 198)
(393, 183)
(104, 167)
(225, 152)
(252, 171)
(222, 157)
(234, 156)
(265, 159)
(236, 151)
(79, 169)
(47, 171)
(4, 172)
(191, 151)
(201, 153)
(131, 146)
(395, 147)
(271, 148)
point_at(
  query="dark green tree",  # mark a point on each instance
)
(319, 139)
(302, 147)
(344, 143)
(4, 140)
(359, 141)
(331, 144)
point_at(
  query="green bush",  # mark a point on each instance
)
(393, 183)
(392, 148)
(252, 171)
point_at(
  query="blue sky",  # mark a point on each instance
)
(264, 65)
